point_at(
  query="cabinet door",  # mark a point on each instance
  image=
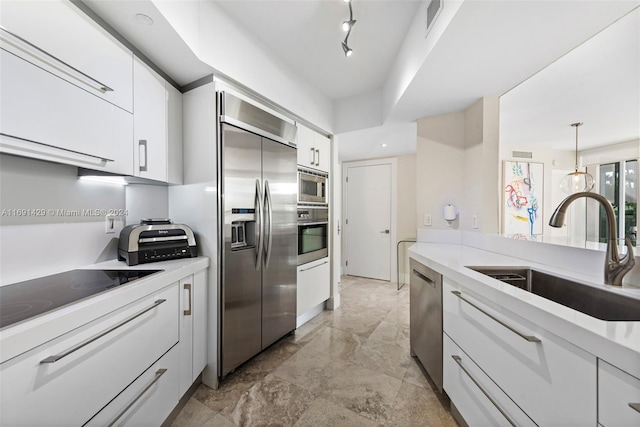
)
(149, 123)
(81, 52)
(174, 134)
(322, 145)
(187, 292)
(618, 397)
(200, 330)
(148, 401)
(98, 361)
(478, 399)
(306, 150)
(552, 380)
(313, 285)
(42, 111)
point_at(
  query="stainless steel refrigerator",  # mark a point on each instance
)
(257, 176)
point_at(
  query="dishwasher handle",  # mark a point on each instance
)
(429, 280)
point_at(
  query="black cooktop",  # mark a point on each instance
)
(23, 300)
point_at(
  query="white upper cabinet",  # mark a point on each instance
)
(314, 150)
(157, 128)
(67, 88)
(58, 37)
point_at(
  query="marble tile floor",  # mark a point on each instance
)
(348, 367)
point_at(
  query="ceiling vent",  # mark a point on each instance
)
(433, 10)
(522, 154)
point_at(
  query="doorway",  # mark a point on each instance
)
(370, 218)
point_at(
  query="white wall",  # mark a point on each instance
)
(439, 162)
(68, 234)
(219, 42)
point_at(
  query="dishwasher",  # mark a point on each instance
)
(425, 312)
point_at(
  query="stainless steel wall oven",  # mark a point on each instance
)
(313, 233)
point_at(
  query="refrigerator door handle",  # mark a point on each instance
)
(259, 221)
(269, 209)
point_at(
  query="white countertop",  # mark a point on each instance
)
(616, 342)
(20, 337)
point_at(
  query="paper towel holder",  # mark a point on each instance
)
(450, 214)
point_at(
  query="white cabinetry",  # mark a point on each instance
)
(313, 285)
(193, 329)
(71, 104)
(618, 397)
(72, 377)
(148, 401)
(551, 380)
(314, 150)
(157, 126)
(479, 399)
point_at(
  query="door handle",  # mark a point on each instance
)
(142, 158)
(384, 232)
(269, 209)
(313, 156)
(259, 234)
(318, 153)
(187, 287)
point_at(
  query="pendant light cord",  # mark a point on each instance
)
(576, 125)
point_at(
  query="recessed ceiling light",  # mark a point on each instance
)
(383, 145)
(144, 19)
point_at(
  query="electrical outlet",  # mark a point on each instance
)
(475, 221)
(109, 224)
(427, 219)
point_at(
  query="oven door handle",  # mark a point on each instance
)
(301, 223)
(269, 209)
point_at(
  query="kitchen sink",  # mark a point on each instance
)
(590, 300)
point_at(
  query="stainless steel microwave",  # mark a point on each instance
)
(312, 187)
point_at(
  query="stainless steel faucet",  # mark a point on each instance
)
(614, 267)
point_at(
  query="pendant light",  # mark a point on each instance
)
(576, 182)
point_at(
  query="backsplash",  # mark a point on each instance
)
(53, 222)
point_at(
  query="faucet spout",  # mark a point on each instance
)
(614, 267)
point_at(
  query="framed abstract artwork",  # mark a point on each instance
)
(522, 187)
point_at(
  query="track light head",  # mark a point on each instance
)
(347, 25)
(347, 50)
(347, 1)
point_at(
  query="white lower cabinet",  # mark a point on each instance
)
(549, 379)
(618, 397)
(68, 380)
(480, 401)
(149, 400)
(313, 285)
(193, 329)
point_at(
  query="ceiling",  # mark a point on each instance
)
(309, 38)
(488, 48)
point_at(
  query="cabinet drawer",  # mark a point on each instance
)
(72, 389)
(478, 399)
(313, 285)
(148, 401)
(552, 381)
(77, 49)
(40, 107)
(618, 397)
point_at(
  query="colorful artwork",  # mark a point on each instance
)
(522, 207)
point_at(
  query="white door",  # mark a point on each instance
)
(368, 221)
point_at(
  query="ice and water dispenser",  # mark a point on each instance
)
(243, 229)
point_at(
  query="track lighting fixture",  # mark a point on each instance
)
(347, 49)
(347, 26)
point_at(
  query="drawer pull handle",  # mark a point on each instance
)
(315, 266)
(458, 360)
(187, 287)
(635, 406)
(159, 373)
(529, 338)
(55, 358)
(102, 87)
